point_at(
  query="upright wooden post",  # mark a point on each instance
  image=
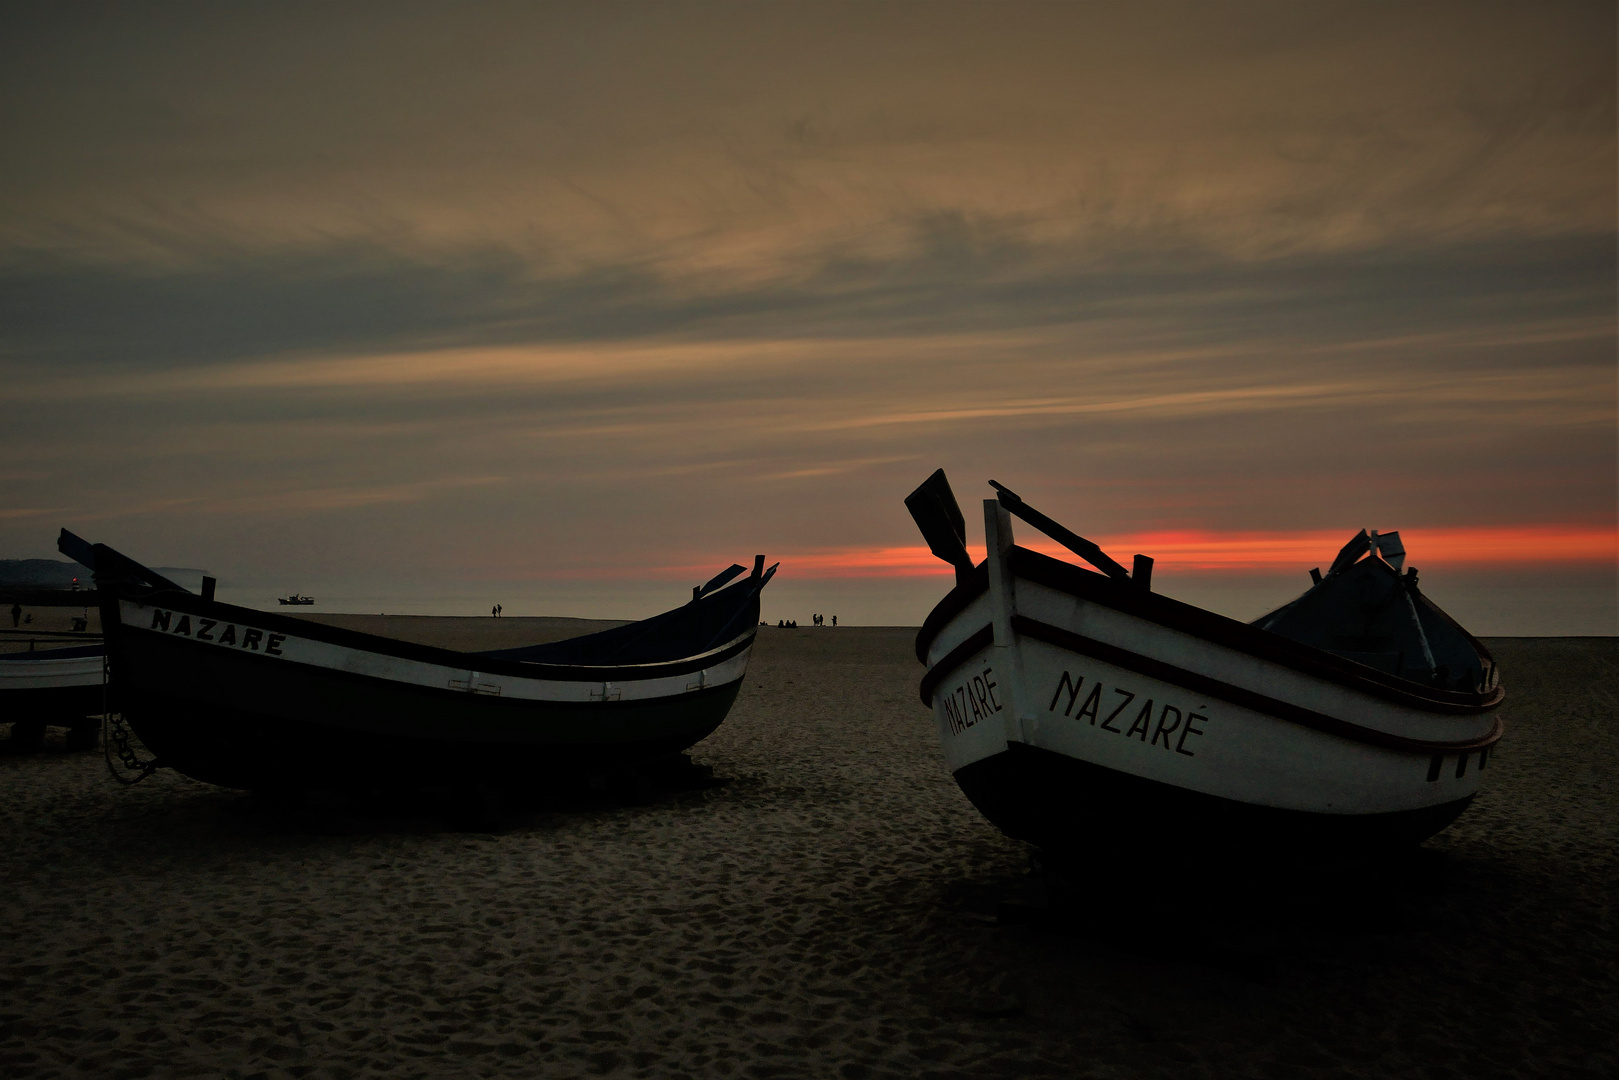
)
(1003, 602)
(1142, 574)
(998, 541)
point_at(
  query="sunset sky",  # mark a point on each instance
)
(576, 304)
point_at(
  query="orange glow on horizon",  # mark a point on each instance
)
(1278, 552)
(1180, 551)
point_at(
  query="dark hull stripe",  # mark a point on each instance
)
(1191, 680)
(1154, 607)
(1064, 805)
(1237, 695)
(955, 601)
(953, 660)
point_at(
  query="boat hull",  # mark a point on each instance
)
(252, 700)
(253, 749)
(59, 686)
(1071, 807)
(1106, 718)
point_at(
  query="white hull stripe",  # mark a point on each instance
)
(1139, 725)
(1204, 684)
(1059, 594)
(50, 674)
(178, 629)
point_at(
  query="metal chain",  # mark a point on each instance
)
(115, 737)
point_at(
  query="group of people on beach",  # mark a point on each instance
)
(495, 611)
(792, 624)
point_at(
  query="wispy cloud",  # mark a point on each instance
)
(695, 138)
(433, 289)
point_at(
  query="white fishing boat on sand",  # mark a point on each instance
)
(1085, 713)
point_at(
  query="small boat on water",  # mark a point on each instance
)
(58, 686)
(1085, 713)
(295, 600)
(249, 699)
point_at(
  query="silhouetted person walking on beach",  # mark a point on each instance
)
(16, 614)
(834, 620)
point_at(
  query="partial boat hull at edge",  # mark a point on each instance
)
(59, 686)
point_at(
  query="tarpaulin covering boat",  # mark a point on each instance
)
(250, 699)
(1083, 712)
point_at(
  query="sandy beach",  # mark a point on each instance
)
(835, 908)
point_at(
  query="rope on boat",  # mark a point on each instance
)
(115, 734)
